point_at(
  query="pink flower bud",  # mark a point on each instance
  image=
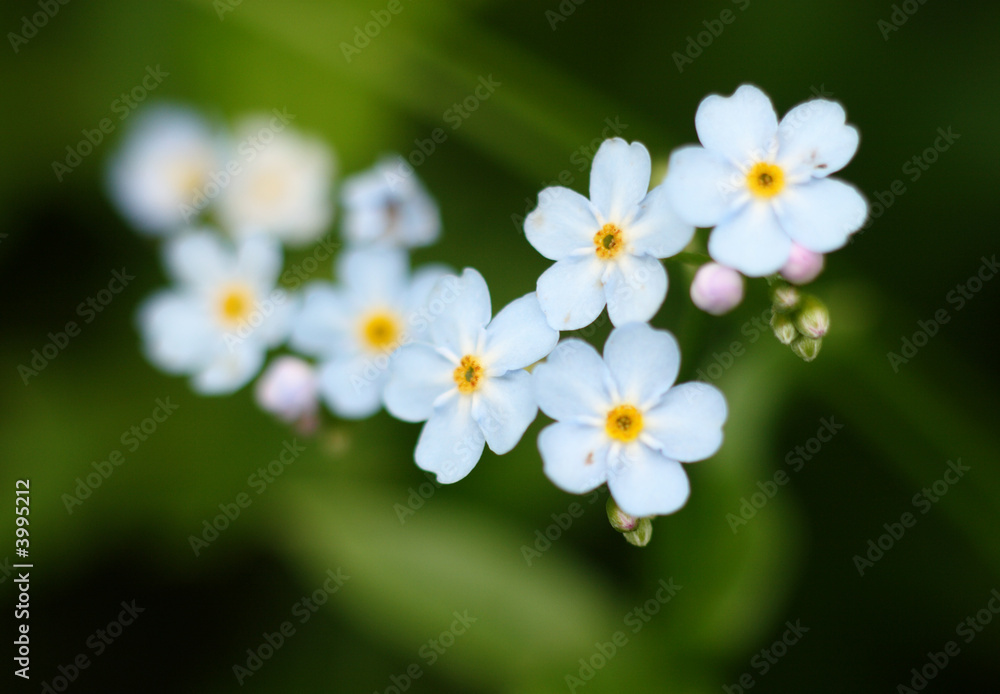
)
(717, 289)
(288, 390)
(803, 265)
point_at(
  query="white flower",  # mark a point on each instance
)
(620, 421)
(282, 185)
(288, 389)
(355, 327)
(468, 379)
(387, 205)
(606, 248)
(219, 322)
(166, 157)
(762, 184)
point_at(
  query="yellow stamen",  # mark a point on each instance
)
(765, 180)
(624, 423)
(235, 304)
(381, 330)
(468, 375)
(608, 242)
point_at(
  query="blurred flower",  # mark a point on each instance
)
(717, 289)
(621, 420)
(288, 390)
(606, 248)
(762, 184)
(388, 206)
(468, 380)
(280, 185)
(354, 327)
(166, 157)
(803, 265)
(218, 323)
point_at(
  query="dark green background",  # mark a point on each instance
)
(334, 507)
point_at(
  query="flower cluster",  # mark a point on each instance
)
(425, 344)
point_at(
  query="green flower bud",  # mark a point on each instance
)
(620, 521)
(812, 318)
(784, 328)
(642, 534)
(784, 297)
(807, 347)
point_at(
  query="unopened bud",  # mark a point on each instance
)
(784, 328)
(785, 297)
(620, 521)
(288, 390)
(812, 317)
(803, 265)
(717, 289)
(807, 348)
(642, 534)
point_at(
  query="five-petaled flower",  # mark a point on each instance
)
(621, 420)
(764, 184)
(468, 379)
(606, 248)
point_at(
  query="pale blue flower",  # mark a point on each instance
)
(621, 419)
(606, 248)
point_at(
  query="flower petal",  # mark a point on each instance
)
(352, 386)
(460, 309)
(229, 369)
(323, 325)
(645, 483)
(377, 275)
(259, 259)
(656, 229)
(741, 127)
(815, 140)
(687, 424)
(574, 457)
(635, 289)
(643, 363)
(198, 259)
(518, 336)
(571, 292)
(619, 178)
(504, 408)
(752, 241)
(573, 383)
(822, 214)
(451, 442)
(418, 377)
(701, 185)
(563, 222)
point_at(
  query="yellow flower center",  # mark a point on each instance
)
(608, 242)
(624, 423)
(468, 374)
(765, 180)
(381, 331)
(269, 186)
(235, 304)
